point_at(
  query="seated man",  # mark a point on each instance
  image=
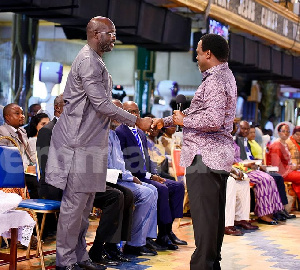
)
(47, 191)
(237, 208)
(12, 128)
(115, 224)
(170, 193)
(145, 200)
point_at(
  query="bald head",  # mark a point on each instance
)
(132, 108)
(59, 105)
(244, 129)
(101, 34)
(8, 108)
(129, 104)
(118, 103)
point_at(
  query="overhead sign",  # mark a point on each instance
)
(262, 18)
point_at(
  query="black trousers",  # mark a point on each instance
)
(127, 211)
(280, 186)
(116, 204)
(32, 185)
(207, 195)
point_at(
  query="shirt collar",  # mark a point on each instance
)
(213, 70)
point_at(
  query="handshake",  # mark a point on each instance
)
(147, 123)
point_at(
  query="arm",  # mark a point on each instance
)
(94, 80)
(209, 114)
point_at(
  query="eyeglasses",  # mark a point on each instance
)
(284, 131)
(112, 34)
(133, 111)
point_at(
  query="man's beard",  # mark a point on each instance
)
(105, 47)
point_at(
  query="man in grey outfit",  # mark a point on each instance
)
(77, 161)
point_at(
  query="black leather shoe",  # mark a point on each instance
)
(90, 265)
(120, 258)
(153, 245)
(286, 214)
(74, 266)
(117, 255)
(175, 240)
(278, 216)
(273, 222)
(103, 259)
(139, 251)
(165, 241)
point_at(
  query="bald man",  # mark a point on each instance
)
(77, 160)
(170, 193)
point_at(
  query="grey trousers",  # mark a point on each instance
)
(72, 225)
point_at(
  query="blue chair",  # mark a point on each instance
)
(12, 176)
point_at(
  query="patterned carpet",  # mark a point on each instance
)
(271, 247)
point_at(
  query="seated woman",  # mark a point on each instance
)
(268, 201)
(278, 155)
(157, 155)
(168, 139)
(293, 143)
(257, 153)
(36, 123)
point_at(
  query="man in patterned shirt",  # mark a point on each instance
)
(207, 150)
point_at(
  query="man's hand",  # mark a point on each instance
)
(136, 180)
(144, 123)
(158, 123)
(263, 168)
(236, 173)
(158, 179)
(178, 118)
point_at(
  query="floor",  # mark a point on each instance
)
(271, 247)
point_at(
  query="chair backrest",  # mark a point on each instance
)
(11, 168)
(178, 170)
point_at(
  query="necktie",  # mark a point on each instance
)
(20, 137)
(248, 152)
(138, 139)
(25, 145)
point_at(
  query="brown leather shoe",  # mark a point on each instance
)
(245, 225)
(231, 230)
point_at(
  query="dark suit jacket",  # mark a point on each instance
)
(133, 157)
(42, 149)
(42, 146)
(240, 142)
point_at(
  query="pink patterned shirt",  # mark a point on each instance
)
(209, 119)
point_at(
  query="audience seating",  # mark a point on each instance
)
(12, 176)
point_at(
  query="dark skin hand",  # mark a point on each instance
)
(144, 123)
(158, 179)
(178, 118)
(158, 123)
(136, 180)
(237, 174)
